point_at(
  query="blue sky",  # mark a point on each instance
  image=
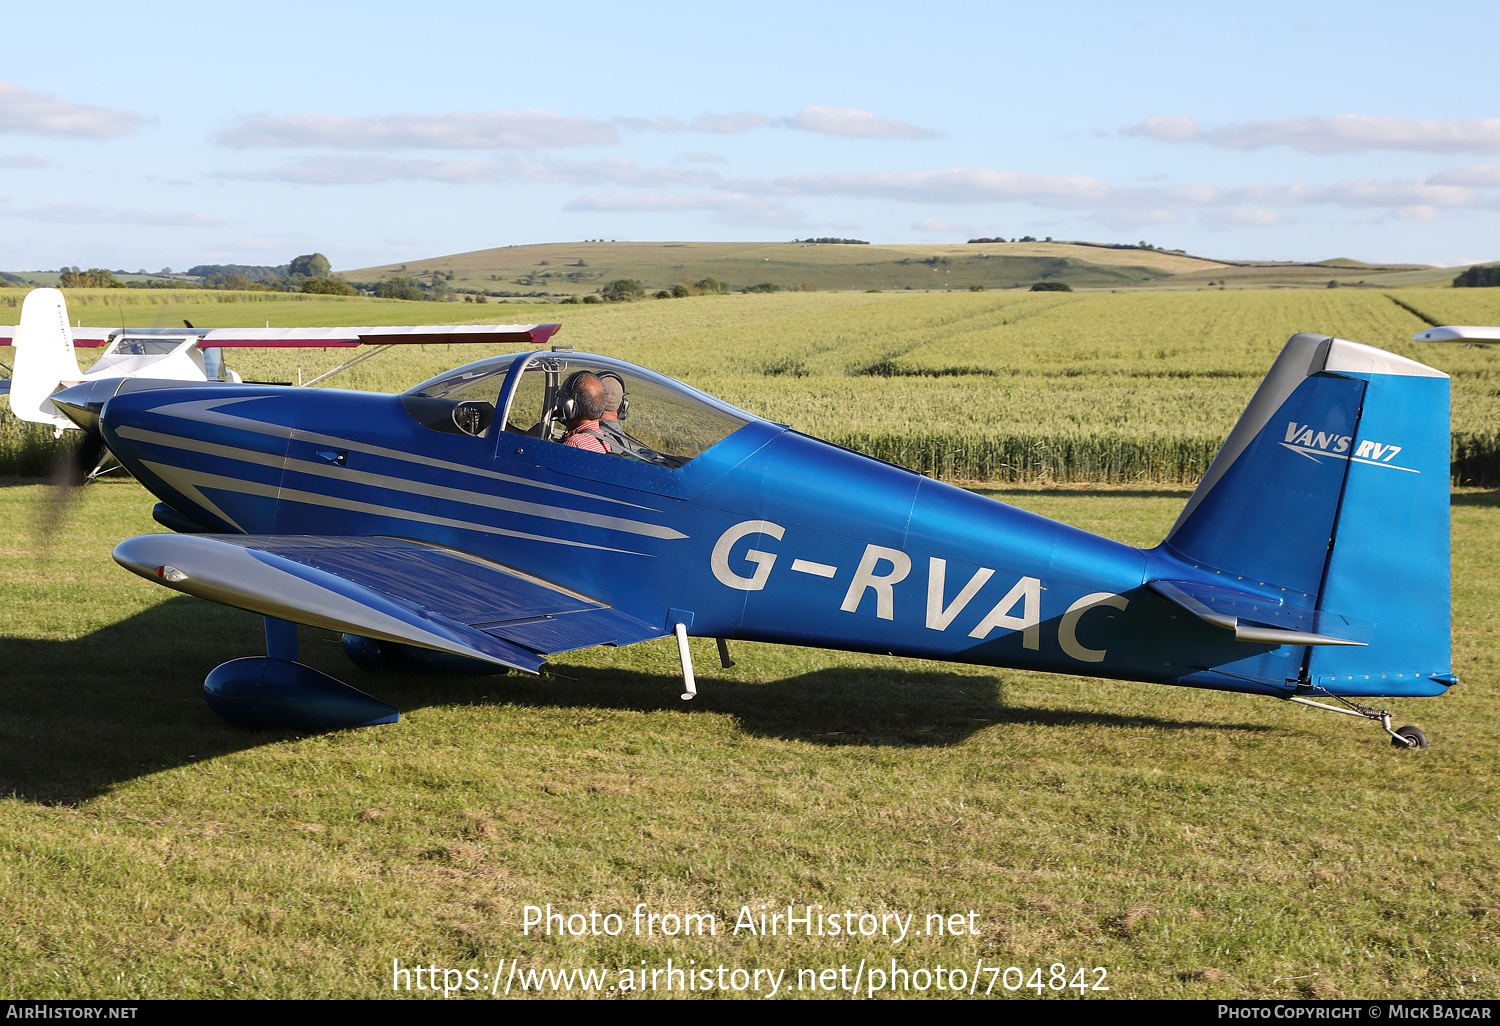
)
(143, 137)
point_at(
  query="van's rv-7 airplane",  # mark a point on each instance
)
(1311, 562)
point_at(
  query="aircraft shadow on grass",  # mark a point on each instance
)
(80, 717)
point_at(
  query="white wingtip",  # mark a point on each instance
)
(1458, 333)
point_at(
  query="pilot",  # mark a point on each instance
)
(582, 406)
(614, 395)
(616, 407)
(615, 404)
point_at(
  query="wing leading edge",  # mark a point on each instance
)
(389, 589)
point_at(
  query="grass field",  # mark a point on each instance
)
(1191, 844)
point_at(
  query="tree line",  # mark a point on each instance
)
(1478, 278)
(310, 273)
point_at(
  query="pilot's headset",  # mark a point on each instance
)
(616, 399)
(567, 404)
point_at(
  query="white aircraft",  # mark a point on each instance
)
(1471, 334)
(45, 362)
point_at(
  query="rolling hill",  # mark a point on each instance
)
(579, 268)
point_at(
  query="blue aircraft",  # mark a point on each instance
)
(504, 512)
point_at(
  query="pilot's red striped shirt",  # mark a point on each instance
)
(587, 436)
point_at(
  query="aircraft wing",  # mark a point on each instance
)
(537, 334)
(389, 589)
(322, 338)
(1470, 333)
(83, 338)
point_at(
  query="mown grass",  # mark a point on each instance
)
(1195, 844)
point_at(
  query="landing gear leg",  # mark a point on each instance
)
(689, 682)
(1405, 738)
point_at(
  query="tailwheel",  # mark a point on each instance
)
(1406, 739)
(1409, 738)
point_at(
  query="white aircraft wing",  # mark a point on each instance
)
(1458, 333)
(423, 334)
(83, 338)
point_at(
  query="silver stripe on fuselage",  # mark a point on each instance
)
(400, 484)
(190, 482)
(206, 411)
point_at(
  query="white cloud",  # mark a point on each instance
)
(370, 170)
(1166, 128)
(1419, 213)
(729, 124)
(533, 129)
(614, 169)
(24, 161)
(87, 213)
(940, 227)
(1130, 219)
(1253, 205)
(732, 208)
(859, 123)
(716, 124)
(1477, 175)
(954, 185)
(458, 130)
(828, 120)
(24, 112)
(1250, 217)
(1342, 133)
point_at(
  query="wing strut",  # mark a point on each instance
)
(363, 356)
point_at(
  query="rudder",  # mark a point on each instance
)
(1332, 494)
(44, 358)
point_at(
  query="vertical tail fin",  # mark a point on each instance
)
(1333, 488)
(44, 358)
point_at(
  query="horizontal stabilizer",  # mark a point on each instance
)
(1256, 618)
(389, 589)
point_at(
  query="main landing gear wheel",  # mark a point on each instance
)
(1409, 738)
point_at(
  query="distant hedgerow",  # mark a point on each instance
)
(1478, 278)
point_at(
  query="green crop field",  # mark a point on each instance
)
(1004, 386)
